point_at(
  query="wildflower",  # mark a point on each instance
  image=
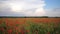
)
(16, 32)
(22, 32)
(10, 31)
(48, 33)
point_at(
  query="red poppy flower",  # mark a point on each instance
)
(10, 31)
(48, 33)
(2, 29)
(16, 32)
(22, 32)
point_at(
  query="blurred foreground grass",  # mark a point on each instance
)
(30, 28)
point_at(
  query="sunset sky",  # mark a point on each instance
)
(30, 8)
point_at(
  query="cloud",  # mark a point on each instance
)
(28, 7)
(55, 12)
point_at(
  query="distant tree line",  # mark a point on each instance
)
(27, 17)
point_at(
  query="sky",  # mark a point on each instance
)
(30, 8)
(52, 4)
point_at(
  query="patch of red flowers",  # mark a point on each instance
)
(48, 32)
(2, 29)
(22, 32)
(9, 31)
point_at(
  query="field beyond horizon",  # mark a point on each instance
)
(24, 20)
(30, 25)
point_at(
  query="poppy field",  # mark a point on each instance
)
(29, 25)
